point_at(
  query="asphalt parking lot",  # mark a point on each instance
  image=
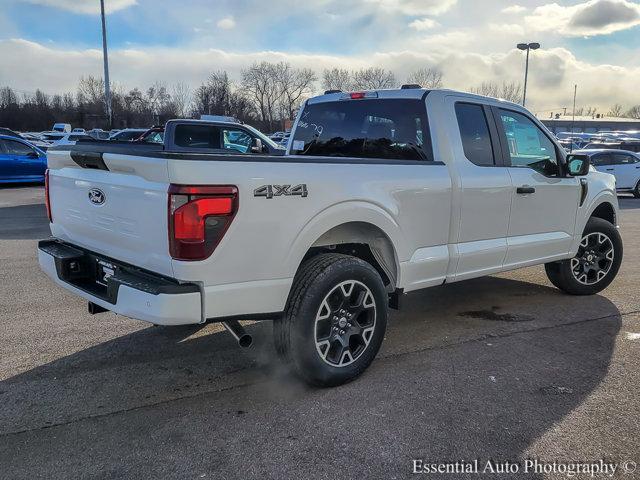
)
(503, 368)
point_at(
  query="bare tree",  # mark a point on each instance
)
(7, 97)
(373, 78)
(510, 91)
(426, 77)
(295, 84)
(634, 112)
(181, 98)
(261, 84)
(336, 79)
(616, 111)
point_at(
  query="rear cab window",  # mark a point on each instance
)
(394, 129)
(475, 134)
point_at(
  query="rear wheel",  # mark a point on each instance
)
(636, 191)
(595, 265)
(335, 319)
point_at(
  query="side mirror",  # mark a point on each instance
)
(33, 154)
(578, 165)
(256, 145)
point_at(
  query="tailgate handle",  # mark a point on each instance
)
(89, 160)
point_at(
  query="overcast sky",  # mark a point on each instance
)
(49, 44)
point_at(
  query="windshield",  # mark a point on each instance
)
(369, 128)
(263, 137)
(128, 135)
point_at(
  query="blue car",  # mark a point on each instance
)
(20, 161)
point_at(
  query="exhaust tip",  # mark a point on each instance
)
(235, 329)
(245, 341)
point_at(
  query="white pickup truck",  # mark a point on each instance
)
(380, 193)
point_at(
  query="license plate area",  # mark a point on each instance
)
(104, 271)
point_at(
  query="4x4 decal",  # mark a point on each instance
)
(270, 191)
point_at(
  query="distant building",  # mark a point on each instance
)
(590, 124)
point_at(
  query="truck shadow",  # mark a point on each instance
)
(24, 222)
(478, 369)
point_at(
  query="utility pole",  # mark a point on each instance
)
(105, 57)
(527, 47)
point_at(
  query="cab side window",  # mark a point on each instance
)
(236, 139)
(474, 132)
(623, 159)
(528, 145)
(601, 160)
(17, 148)
(197, 136)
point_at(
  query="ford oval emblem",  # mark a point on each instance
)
(97, 196)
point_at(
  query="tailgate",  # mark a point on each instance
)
(120, 211)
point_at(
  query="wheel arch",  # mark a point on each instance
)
(365, 241)
(358, 228)
(606, 211)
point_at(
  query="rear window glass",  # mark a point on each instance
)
(197, 136)
(474, 132)
(368, 128)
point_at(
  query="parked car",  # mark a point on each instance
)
(629, 145)
(277, 136)
(61, 127)
(364, 207)
(127, 135)
(20, 161)
(38, 142)
(78, 130)
(66, 138)
(153, 135)
(98, 134)
(624, 165)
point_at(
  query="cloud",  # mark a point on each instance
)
(552, 74)
(423, 24)
(514, 9)
(226, 23)
(595, 17)
(512, 29)
(87, 7)
(415, 7)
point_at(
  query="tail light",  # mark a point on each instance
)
(47, 197)
(199, 216)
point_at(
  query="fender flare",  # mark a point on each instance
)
(352, 211)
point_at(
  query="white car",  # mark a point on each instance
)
(65, 138)
(61, 127)
(381, 193)
(624, 165)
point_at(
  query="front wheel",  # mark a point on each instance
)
(595, 265)
(335, 320)
(636, 191)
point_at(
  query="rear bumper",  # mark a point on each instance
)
(129, 291)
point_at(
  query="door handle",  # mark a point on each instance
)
(525, 190)
(609, 169)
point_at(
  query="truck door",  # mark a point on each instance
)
(482, 184)
(626, 169)
(544, 202)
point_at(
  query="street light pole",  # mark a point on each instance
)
(105, 58)
(527, 47)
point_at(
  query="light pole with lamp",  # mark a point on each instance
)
(527, 47)
(105, 58)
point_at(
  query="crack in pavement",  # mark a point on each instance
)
(383, 357)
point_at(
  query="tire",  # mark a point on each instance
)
(596, 264)
(636, 191)
(335, 320)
